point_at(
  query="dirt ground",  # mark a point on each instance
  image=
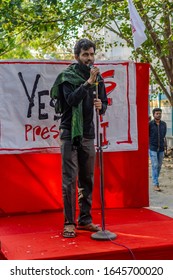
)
(162, 202)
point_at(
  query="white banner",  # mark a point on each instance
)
(138, 26)
(28, 122)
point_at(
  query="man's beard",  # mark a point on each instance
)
(84, 68)
(157, 118)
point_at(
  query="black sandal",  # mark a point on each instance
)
(89, 227)
(69, 231)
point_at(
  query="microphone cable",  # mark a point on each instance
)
(121, 245)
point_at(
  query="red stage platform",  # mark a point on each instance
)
(142, 234)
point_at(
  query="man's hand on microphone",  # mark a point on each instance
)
(98, 103)
(93, 75)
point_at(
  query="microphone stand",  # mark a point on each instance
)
(102, 234)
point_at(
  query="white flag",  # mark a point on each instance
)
(138, 26)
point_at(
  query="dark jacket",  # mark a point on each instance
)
(157, 135)
(72, 97)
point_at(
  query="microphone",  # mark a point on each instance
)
(98, 75)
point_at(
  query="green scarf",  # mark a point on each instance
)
(72, 74)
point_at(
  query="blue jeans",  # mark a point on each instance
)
(156, 163)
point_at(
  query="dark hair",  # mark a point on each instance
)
(156, 110)
(84, 44)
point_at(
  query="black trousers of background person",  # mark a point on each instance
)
(77, 163)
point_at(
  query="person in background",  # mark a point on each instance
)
(76, 85)
(157, 136)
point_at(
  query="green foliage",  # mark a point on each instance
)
(48, 28)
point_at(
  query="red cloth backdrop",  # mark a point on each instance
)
(32, 182)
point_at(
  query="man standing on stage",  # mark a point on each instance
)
(76, 86)
(157, 134)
